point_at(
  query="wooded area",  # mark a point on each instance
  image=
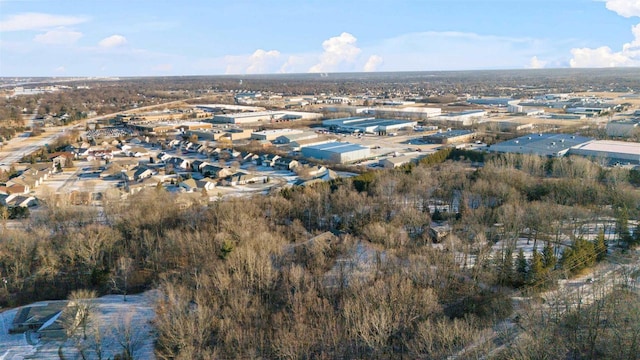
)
(250, 277)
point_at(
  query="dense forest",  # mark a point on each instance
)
(350, 268)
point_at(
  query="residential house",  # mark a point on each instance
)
(188, 185)
(206, 183)
(137, 151)
(178, 163)
(61, 158)
(286, 163)
(164, 156)
(247, 157)
(241, 178)
(19, 201)
(143, 172)
(17, 181)
(268, 160)
(214, 171)
(196, 165)
(13, 189)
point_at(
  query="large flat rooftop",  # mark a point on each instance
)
(338, 147)
(540, 144)
(611, 147)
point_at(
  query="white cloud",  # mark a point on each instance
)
(60, 69)
(373, 63)
(262, 61)
(536, 63)
(58, 37)
(38, 21)
(113, 41)
(626, 8)
(337, 50)
(293, 64)
(604, 56)
(600, 57)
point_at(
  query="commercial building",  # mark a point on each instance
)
(397, 161)
(288, 138)
(214, 108)
(265, 116)
(299, 144)
(494, 101)
(450, 137)
(610, 151)
(413, 112)
(622, 128)
(194, 125)
(463, 117)
(551, 145)
(271, 135)
(337, 152)
(368, 125)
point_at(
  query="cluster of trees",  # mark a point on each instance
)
(608, 328)
(241, 278)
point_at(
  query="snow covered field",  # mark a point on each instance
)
(115, 320)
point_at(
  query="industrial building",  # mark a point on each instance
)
(450, 137)
(622, 128)
(464, 117)
(397, 161)
(271, 135)
(493, 101)
(337, 152)
(299, 144)
(194, 125)
(368, 125)
(414, 112)
(215, 134)
(214, 108)
(551, 145)
(266, 116)
(612, 151)
(291, 137)
(514, 107)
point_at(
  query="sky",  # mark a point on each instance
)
(212, 37)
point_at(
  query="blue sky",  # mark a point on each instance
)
(200, 37)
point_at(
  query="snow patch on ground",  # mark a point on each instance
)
(113, 317)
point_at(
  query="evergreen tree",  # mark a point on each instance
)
(622, 225)
(601, 246)
(521, 268)
(537, 270)
(548, 257)
(506, 268)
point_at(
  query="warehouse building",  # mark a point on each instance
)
(611, 151)
(337, 152)
(493, 101)
(271, 135)
(413, 112)
(464, 117)
(299, 144)
(214, 108)
(288, 138)
(551, 145)
(450, 137)
(368, 125)
(264, 116)
(622, 128)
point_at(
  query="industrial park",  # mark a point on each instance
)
(343, 183)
